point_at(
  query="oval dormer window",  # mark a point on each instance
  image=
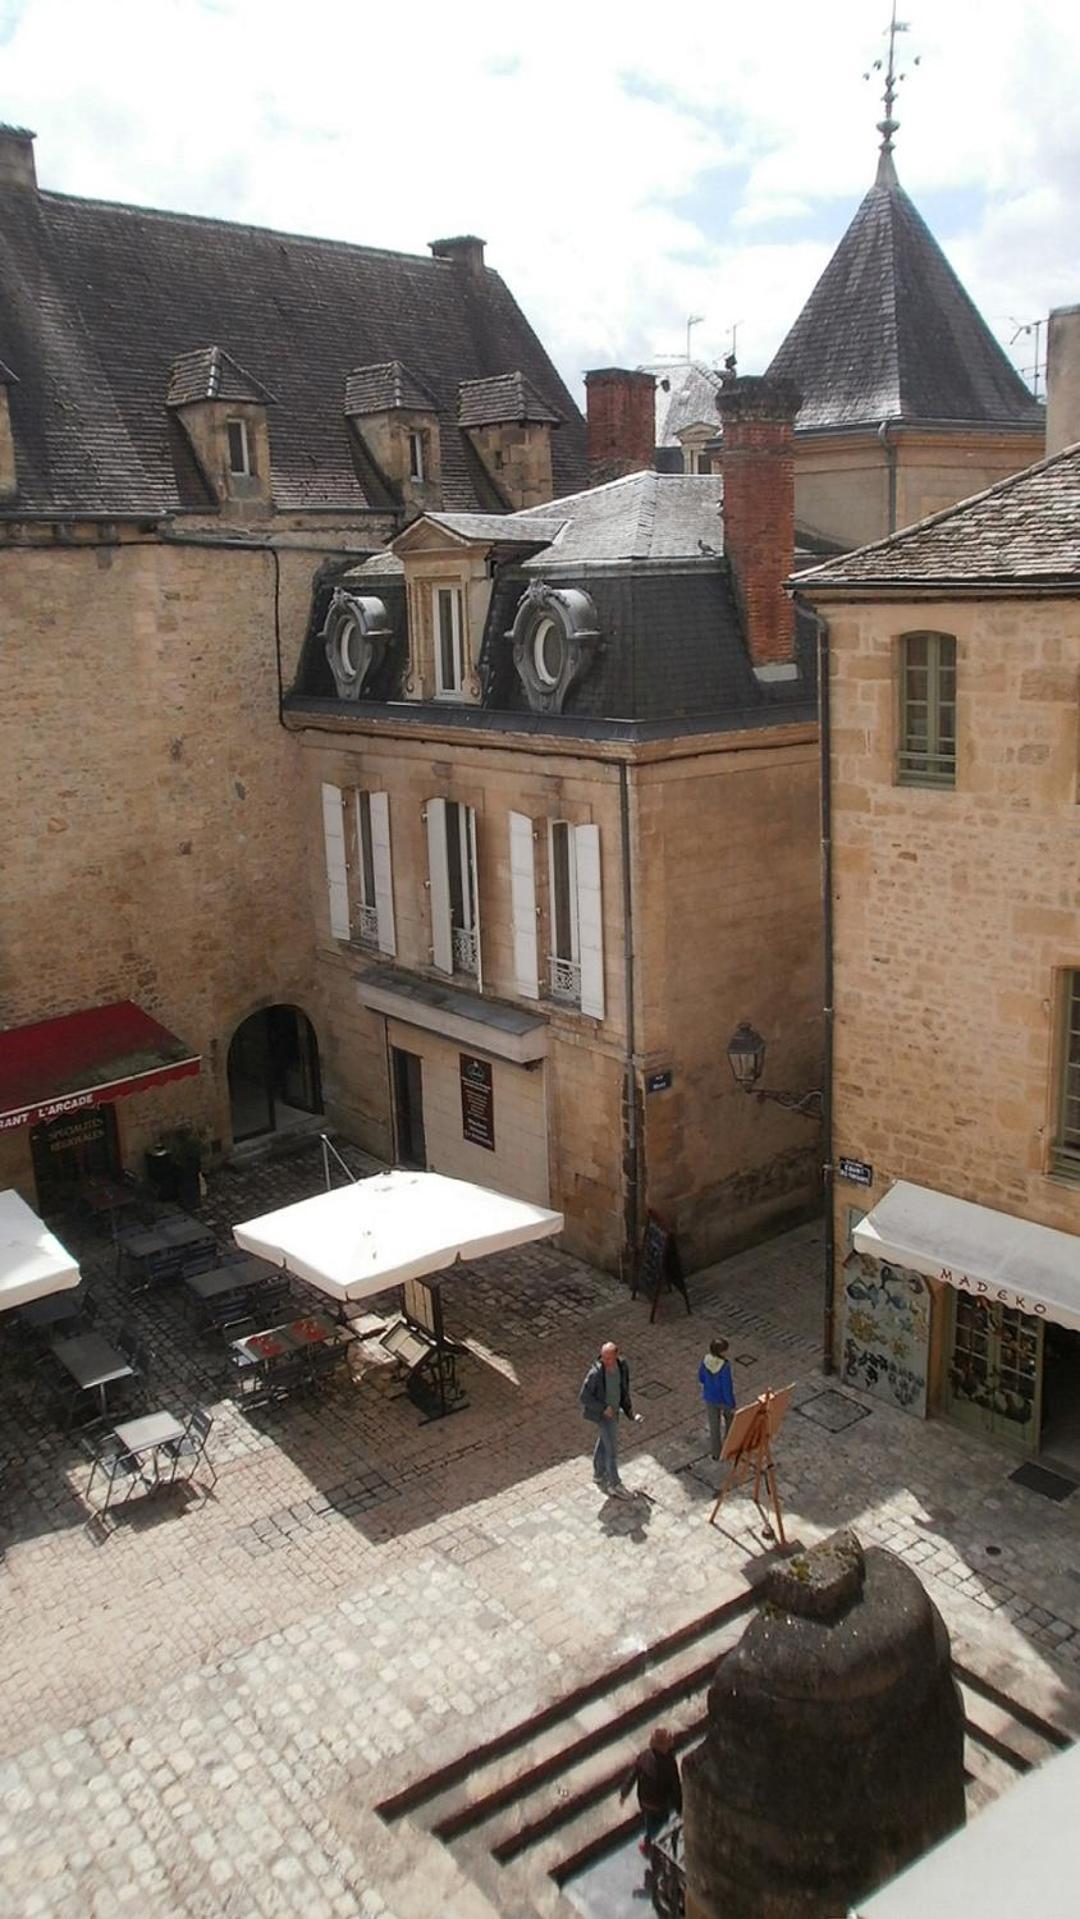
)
(549, 652)
(356, 632)
(555, 638)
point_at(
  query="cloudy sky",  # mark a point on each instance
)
(628, 165)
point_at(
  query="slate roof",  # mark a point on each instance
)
(685, 396)
(97, 302)
(1025, 529)
(210, 374)
(643, 516)
(534, 528)
(672, 650)
(383, 389)
(507, 397)
(890, 334)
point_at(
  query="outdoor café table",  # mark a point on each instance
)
(184, 1231)
(279, 1347)
(92, 1363)
(145, 1438)
(157, 1251)
(239, 1276)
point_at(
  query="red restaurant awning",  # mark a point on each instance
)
(62, 1065)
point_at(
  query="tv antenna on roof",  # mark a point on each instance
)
(1029, 327)
(692, 320)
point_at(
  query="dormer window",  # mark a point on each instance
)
(417, 470)
(549, 652)
(449, 652)
(356, 633)
(555, 638)
(239, 450)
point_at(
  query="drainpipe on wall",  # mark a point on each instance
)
(633, 1144)
(827, 1172)
(884, 434)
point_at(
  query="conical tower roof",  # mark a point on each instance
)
(890, 334)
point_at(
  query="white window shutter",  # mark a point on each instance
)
(337, 874)
(384, 882)
(590, 919)
(476, 900)
(523, 906)
(442, 945)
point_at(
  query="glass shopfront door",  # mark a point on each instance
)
(994, 1382)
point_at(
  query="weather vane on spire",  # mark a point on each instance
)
(888, 126)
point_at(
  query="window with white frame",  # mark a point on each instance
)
(564, 960)
(453, 883)
(1066, 1158)
(574, 974)
(447, 627)
(239, 449)
(359, 876)
(416, 456)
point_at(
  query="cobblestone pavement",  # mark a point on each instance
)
(201, 1706)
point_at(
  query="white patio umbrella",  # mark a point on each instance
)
(32, 1260)
(359, 1240)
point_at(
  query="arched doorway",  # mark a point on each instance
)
(273, 1073)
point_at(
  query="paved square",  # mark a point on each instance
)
(202, 1704)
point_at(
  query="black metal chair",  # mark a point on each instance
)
(193, 1445)
(121, 1472)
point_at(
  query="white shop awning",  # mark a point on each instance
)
(32, 1260)
(362, 1239)
(1007, 1261)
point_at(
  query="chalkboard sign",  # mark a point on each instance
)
(659, 1264)
(477, 1101)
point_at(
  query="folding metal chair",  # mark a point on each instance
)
(121, 1473)
(193, 1445)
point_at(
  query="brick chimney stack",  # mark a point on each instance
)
(620, 407)
(758, 466)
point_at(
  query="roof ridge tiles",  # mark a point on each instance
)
(252, 226)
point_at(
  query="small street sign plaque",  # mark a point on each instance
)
(857, 1170)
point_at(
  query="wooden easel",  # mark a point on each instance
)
(748, 1447)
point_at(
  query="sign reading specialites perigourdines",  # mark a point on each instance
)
(477, 1101)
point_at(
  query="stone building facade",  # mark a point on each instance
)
(196, 420)
(954, 746)
(569, 832)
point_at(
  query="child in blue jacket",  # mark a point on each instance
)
(718, 1392)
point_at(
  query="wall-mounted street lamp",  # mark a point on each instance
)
(746, 1057)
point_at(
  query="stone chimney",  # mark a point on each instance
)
(1063, 379)
(17, 157)
(758, 465)
(621, 410)
(464, 249)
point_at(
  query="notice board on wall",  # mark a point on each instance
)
(477, 1101)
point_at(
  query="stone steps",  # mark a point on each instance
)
(538, 1804)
